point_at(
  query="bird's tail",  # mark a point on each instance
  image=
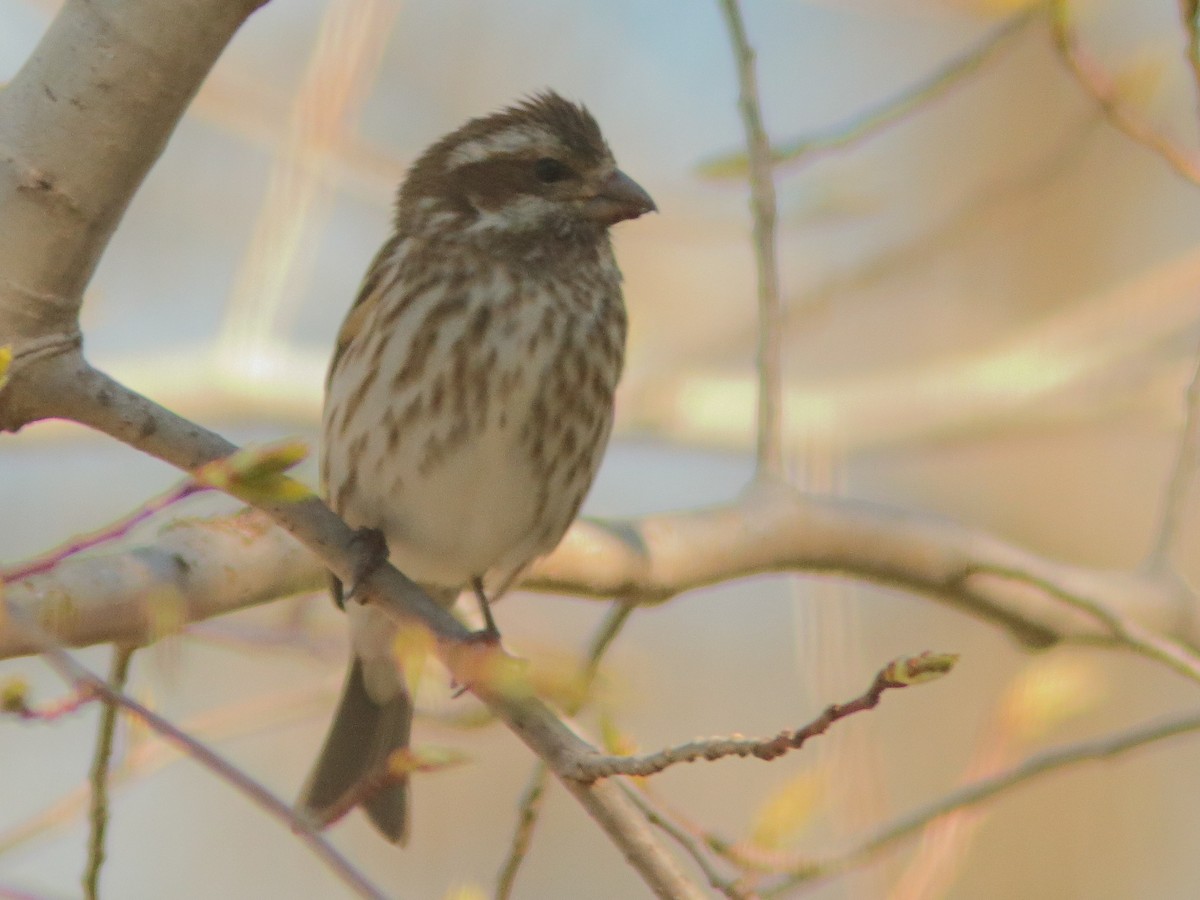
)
(363, 735)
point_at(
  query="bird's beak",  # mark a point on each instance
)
(618, 197)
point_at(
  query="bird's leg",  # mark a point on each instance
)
(490, 632)
(372, 553)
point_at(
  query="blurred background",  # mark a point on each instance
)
(992, 313)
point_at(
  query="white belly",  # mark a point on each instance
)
(468, 515)
(446, 450)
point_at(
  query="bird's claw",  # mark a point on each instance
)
(372, 553)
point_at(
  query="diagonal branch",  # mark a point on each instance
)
(865, 125)
(83, 679)
(1098, 83)
(1071, 755)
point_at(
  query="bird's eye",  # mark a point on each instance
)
(549, 170)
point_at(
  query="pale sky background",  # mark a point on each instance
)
(1066, 213)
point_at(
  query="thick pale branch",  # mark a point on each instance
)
(782, 530)
(217, 565)
(81, 124)
(138, 595)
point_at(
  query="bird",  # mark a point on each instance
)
(470, 395)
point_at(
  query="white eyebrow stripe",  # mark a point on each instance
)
(511, 140)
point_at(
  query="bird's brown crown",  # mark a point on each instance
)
(530, 167)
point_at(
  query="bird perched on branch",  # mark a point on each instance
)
(470, 396)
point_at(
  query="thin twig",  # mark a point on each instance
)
(867, 124)
(98, 813)
(81, 677)
(762, 204)
(1033, 767)
(1188, 10)
(1100, 85)
(110, 532)
(610, 627)
(897, 674)
(845, 286)
(257, 714)
(14, 702)
(691, 846)
(529, 809)
(1125, 631)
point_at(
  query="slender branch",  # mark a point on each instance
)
(691, 846)
(111, 532)
(257, 715)
(897, 674)
(867, 124)
(1099, 84)
(529, 808)
(117, 677)
(13, 701)
(1033, 767)
(1188, 10)
(82, 678)
(1126, 632)
(762, 204)
(611, 626)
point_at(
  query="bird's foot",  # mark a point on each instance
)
(372, 553)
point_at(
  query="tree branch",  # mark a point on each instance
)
(984, 789)
(762, 205)
(214, 566)
(81, 124)
(98, 808)
(897, 674)
(865, 125)
(1092, 77)
(84, 680)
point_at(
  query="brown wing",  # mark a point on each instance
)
(368, 296)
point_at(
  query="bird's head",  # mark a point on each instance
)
(540, 169)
